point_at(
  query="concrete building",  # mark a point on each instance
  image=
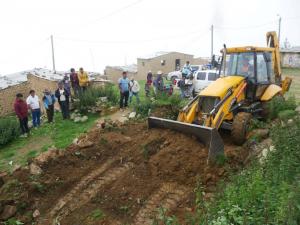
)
(113, 73)
(290, 57)
(164, 61)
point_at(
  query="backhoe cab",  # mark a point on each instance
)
(249, 78)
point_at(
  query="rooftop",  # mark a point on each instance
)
(128, 68)
(157, 54)
(295, 49)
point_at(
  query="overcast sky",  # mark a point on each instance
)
(94, 33)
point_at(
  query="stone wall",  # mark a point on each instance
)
(114, 74)
(8, 96)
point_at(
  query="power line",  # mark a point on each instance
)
(246, 27)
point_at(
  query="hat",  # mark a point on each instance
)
(159, 72)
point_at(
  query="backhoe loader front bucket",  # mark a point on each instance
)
(207, 135)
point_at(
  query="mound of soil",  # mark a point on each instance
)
(123, 178)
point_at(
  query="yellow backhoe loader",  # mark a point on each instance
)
(249, 78)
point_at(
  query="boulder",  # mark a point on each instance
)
(85, 144)
(132, 115)
(36, 213)
(84, 119)
(8, 212)
(35, 169)
(77, 119)
(44, 157)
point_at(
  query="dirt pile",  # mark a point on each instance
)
(124, 177)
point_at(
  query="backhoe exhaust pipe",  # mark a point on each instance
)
(207, 135)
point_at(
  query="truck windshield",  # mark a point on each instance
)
(239, 64)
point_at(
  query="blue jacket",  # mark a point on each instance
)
(46, 101)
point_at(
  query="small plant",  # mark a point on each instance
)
(13, 221)
(103, 141)
(286, 114)
(162, 218)
(97, 214)
(124, 208)
(39, 187)
(9, 130)
(278, 104)
(32, 154)
(221, 159)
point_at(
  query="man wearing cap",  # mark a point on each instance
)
(49, 100)
(21, 110)
(124, 90)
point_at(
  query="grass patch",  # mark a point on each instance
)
(59, 134)
(97, 214)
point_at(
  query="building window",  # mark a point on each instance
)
(163, 62)
(143, 63)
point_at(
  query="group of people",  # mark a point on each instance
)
(79, 83)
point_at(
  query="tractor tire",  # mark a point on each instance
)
(240, 127)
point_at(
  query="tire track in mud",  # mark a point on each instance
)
(168, 197)
(84, 191)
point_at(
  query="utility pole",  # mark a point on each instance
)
(279, 27)
(212, 41)
(53, 58)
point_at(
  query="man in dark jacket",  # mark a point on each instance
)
(49, 100)
(21, 110)
(74, 81)
(62, 96)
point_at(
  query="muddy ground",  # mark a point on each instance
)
(122, 178)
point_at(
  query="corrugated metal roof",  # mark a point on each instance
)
(129, 68)
(295, 49)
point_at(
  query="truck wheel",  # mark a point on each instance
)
(240, 127)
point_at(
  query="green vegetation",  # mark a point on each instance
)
(9, 130)
(97, 214)
(293, 73)
(59, 134)
(279, 104)
(89, 98)
(267, 193)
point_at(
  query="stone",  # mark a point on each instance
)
(44, 157)
(262, 133)
(132, 115)
(35, 169)
(208, 177)
(36, 213)
(84, 119)
(75, 141)
(290, 121)
(8, 212)
(103, 99)
(298, 109)
(77, 119)
(17, 167)
(73, 115)
(221, 172)
(85, 144)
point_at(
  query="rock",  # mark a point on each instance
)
(221, 172)
(132, 115)
(17, 167)
(103, 99)
(36, 213)
(85, 144)
(123, 119)
(208, 177)
(290, 121)
(73, 115)
(262, 133)
(77, 119)
(127, 138)
(298, 109)
(44, 157)
(75, 141)
(8, 212)
(84, 119)
(35, 169)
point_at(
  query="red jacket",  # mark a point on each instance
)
(21, 108)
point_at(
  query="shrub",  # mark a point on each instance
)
(144, 108)
(88, 99)
(9, 130)
(286, 114)
(278, 104)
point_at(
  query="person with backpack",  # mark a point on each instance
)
(49, 100)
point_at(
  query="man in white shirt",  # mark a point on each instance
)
(134, 88)
(33, 103)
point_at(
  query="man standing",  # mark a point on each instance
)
(158, 83)
(67, 85)
(83, 79)
(62, 96)
(149, 78)
(21, 110)
(74, 81)
(181, 85)
(134, 90)
(33, 103)
(187, 69)
(124, 90)
(49, 100)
